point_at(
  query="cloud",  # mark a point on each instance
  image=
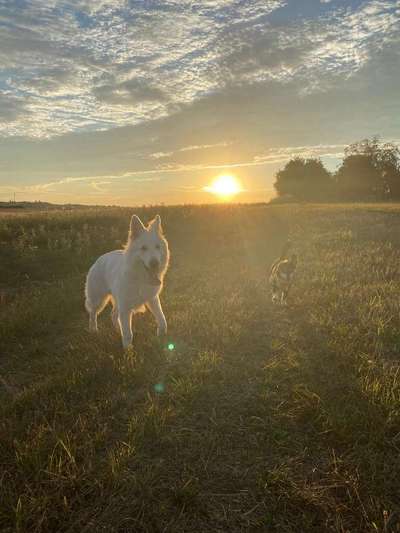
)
(286, 153)
(11, 107)
(129, 92)
(348, 38)
(190, 148)
(48, 82)
(119, 53)
(265, 56)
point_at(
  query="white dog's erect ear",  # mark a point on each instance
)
(136, 227)
(155, 224)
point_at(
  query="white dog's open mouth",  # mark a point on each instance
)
(153, 275)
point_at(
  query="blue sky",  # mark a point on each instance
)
(132, 102)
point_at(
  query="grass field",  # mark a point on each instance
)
(262, 418)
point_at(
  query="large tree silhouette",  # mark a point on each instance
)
(304, 179)
(370, 171)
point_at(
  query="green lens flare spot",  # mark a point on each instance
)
(159, 388)
(171, 346)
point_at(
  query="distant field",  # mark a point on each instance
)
(261, 419)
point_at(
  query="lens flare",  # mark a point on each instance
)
(159, 388)
(171, 346)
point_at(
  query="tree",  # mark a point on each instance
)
(304, 179)
(359, 179)
(370, 171)
(389, 164)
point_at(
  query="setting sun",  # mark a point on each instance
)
(225, 187)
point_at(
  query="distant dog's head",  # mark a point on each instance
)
(287, 268)
(293, 262)
(150, 246)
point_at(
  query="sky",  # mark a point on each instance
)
(132, 102)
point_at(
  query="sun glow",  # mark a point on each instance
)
(225, 187)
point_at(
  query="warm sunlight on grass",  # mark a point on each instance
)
(225, 187)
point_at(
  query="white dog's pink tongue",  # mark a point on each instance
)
(155, 280)
(152, 276)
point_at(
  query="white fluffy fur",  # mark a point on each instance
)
(132, 279)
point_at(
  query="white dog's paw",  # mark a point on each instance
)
(127, 345)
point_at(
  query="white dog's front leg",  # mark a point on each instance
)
(154, 306)
(124, 319)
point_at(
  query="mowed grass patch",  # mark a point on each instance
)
(260, 419)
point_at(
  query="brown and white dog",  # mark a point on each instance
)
(282, 274)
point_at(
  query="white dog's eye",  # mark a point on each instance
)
(144, 248)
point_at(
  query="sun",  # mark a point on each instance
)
(225, 187)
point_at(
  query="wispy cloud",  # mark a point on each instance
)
(93, 180)
(192, 148)
(284, 154)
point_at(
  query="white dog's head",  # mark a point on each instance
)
(149, 245)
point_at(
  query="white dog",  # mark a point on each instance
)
(131, 278)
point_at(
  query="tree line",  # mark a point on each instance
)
(370, 171)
